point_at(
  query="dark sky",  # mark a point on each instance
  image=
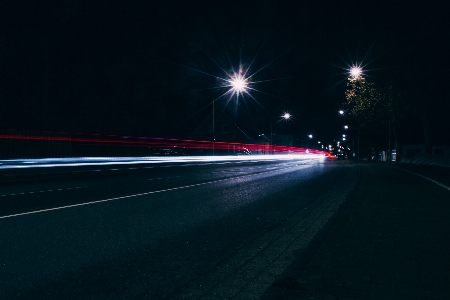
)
(153, 68)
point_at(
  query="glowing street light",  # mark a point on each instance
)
(310, 136)
(345, 126)
(238, 84)
(341, 112)
(355, 72)
(286, 116)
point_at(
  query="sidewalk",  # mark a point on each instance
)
(428, 159)
(390, 240)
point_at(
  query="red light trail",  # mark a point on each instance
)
(159, 143)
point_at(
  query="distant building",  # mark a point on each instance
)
(415, 154)
(412, 150)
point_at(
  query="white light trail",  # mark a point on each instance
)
(104, 161)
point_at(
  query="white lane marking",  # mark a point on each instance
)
(158, 178)
(44, 191)
(164, 178)
(132, 196)
(112, 199)
(427, 178)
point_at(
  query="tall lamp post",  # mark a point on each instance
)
(284, 117)
(344, 136)
(355, 73)
(310, 136)
(213, 125)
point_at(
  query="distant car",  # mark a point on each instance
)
(330, 155)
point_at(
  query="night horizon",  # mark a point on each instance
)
(153, 69)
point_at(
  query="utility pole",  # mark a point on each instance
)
(389, 129)
(214, 133)
(271, 137)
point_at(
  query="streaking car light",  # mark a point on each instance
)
(103, 161)
(175, 150)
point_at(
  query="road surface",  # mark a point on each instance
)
(162, 231)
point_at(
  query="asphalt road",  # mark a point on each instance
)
(172, 230)
(180, 230)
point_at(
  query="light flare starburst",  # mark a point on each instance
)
(356, 71)
(238, 84)
(286, 116)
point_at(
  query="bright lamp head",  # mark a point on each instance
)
(238, 83)
(355, 72)
(286, 116)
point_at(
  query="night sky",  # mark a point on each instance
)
(153, 68)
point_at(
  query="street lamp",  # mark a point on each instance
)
(286, 116)
(238, 83)
(341, 112)
(355, 72)
(310, 136)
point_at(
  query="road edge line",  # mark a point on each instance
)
(427, 178)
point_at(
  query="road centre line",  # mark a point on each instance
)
(44, 191)
(132, 196)
(115, 198)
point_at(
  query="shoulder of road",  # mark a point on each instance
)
(389, 240)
